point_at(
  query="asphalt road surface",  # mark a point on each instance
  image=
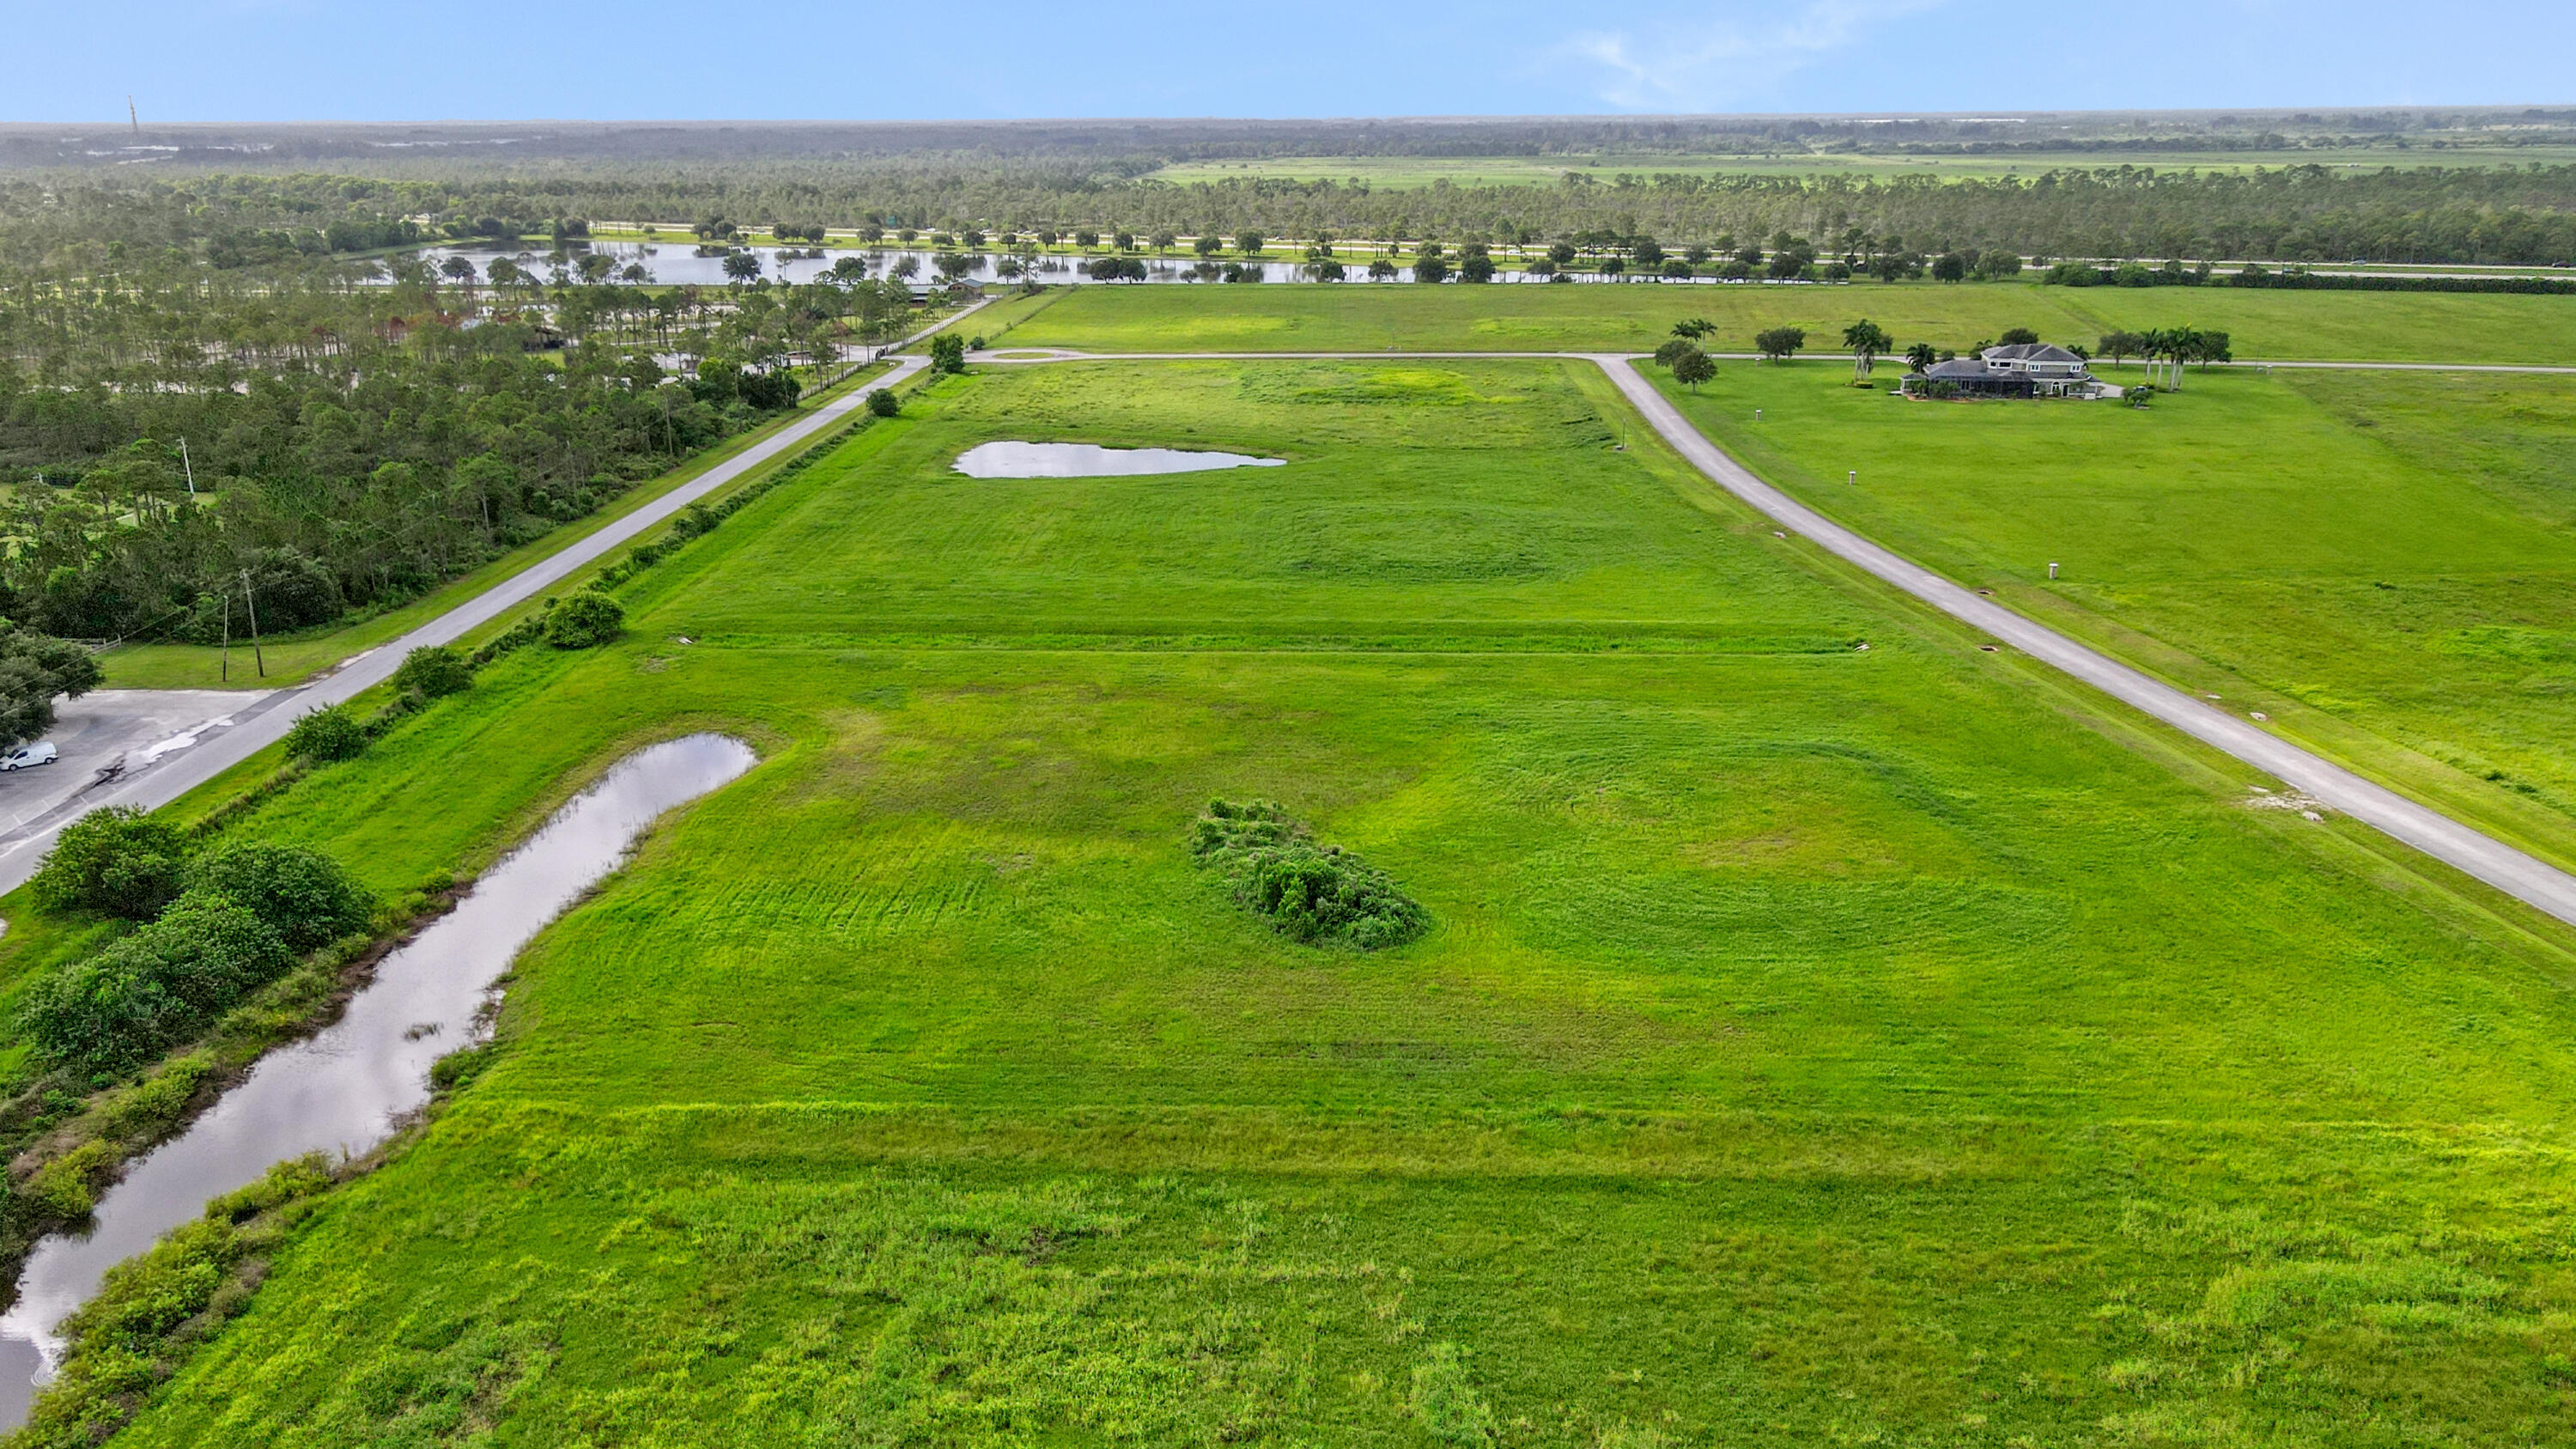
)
(110, 731)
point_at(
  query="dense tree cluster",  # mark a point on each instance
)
(299, 441)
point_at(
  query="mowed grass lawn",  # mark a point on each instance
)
(1359, 316)
(2385, 564)
(1813, 1044)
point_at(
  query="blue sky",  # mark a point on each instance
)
(337, 60)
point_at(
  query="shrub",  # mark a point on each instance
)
(1316, 894)
(160, 985)
(92, 1018)
(301, 894)
(585, 621)
(149, 1108)
(117, 862)
(67, 1186)
(694, 521)
(327, 735)
(883, 403)
(434, 671)
(947, 353)
(154, 1309)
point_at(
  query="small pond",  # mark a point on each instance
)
(343, 1090)
(1090, 460)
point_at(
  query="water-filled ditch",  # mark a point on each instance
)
(344, 1090)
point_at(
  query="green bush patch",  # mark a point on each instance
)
(1318, 894)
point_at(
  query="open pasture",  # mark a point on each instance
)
(1359, 316)
(2383, 563)
(1812, 1044)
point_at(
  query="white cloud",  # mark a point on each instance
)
(1709, 65)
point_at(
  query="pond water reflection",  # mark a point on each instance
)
(1090, 460)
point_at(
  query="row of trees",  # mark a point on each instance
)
(2165, 351)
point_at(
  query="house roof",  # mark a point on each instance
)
(1957, 368)
(2030, 352)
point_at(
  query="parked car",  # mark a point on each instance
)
(42, 752)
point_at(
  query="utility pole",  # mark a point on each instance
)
(190, 467)
(252, 605)
(228, 637)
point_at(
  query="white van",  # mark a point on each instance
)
(42, 752)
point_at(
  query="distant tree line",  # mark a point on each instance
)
(2519, 215)
(189, 446)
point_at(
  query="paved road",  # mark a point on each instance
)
(260, 720)
(112, 731)
(2517, 874)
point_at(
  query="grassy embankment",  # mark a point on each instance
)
(2384, 564)
(1812, 1044)
(296, 656)
(2349, 326)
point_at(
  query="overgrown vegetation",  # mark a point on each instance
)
(247, 911)
(154, 1310)
(1319, 894)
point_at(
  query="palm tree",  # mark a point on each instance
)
(1867, 340)
(2182, 344)
(1921, 356)
(2151, 350)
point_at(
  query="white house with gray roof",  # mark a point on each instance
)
(2020, 369)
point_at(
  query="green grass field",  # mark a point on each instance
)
(2383, 563)
(2354, 326)
(1813, 1044)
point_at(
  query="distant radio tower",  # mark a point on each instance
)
(132, 116)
